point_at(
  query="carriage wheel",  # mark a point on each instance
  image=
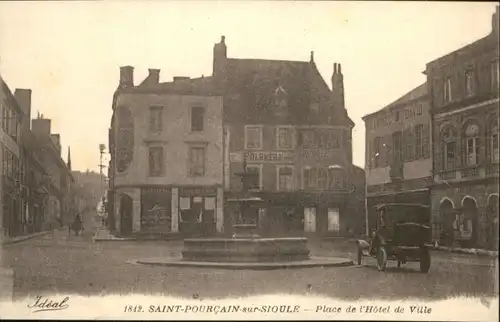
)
(425, 260)
(381, 258)
(360, 255)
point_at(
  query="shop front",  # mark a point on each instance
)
(298, 213)
(156, 211)
(197, 210)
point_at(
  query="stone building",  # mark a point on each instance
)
(166, 152)
(464, 87)
(10, 135)
(33, 177)
(296, 136)
(58, 178)
(398, 152)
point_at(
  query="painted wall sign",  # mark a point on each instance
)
(263, 157)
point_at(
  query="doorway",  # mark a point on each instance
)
(310, 220)
(125, 215)
(334, 221)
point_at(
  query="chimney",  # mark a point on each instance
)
(41, 127)
(154, 76)
(23, 98)
(69, 159)
(494, 21)
(338, 87)
(126, 76)
(311, 60)
(220, 57)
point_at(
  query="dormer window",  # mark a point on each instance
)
(280, 97)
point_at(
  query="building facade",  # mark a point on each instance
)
(166, 167)
(295, 135)
(398, 152)
(10, 135)
(464, 88)
(57, 178)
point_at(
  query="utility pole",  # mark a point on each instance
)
(102, 147)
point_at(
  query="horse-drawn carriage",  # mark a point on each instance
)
(402, 233)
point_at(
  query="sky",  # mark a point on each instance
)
(69, 53)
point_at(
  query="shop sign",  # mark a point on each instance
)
(155, 190)
(268, 157)
(197, 191)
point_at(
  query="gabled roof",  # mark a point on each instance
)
(257, 80)
(416, 93)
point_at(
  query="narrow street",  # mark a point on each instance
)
(62, 263)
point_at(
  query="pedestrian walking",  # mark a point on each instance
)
(77, 225)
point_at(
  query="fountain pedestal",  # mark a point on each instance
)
(245, 246)
(245, 231)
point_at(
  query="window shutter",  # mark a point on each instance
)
(409, 143)
(386, 151)
(426, 142)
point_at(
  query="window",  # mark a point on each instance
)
(197, 114)
(469, 83)
(397, 141)
(495, 152)
(197, 161)
(253, 137)
(449, 147)
(335, 179)
(155, 119)
(156, 161)
(285, 138)
(419, 109)
(376, 152)
(472, 144)
(309, 178)
(447, 90)
(396, 116)
(418, 141)
(322, 179)
(285, 178)
(307, 137)
(254, 181)
(495, 81)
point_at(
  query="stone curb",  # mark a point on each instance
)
(19, 239)
(313, 262)
(467, 251)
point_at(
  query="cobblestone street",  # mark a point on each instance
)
(62, 263)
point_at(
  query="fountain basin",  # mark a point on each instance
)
(245, 250)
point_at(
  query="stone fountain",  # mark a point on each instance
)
(246, 249)
(245, 245)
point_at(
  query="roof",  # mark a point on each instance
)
(9, 97)
(202, 86)
(256, 81)
(478, 47)
(416, 93)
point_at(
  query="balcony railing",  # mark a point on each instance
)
(467, 173)
(470, 172)
(448, 174)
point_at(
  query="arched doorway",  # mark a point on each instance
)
(468, 223)
(492, 222)
(125, 215)
(447, 214)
